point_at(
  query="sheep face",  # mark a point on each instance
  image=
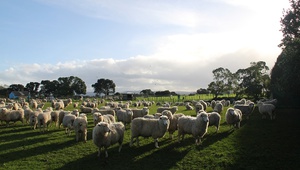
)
(104, 127)
(165, 120)
(203, 116)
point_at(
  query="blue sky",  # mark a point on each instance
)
(159, 44)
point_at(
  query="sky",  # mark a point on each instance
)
(139, 44)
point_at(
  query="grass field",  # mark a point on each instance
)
(258, 144)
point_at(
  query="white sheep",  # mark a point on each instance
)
(197, 126)
(246, 109)
(124, 115)
(189, 107)
(214, 119)
(266, 109)
(218, 107)
(61, 116)
(44, 119)
(105, 135)
(59, 105)
(140, 112)
(198, 107)
(55, 117)
(8, 115)
(27, 113)
(155, 128)
(233, 117)
(98, 117)
(172, 109)
(33, 118)
(80, 128)
(68, 121)
(173, 121)
(84, 109)
(154, 116)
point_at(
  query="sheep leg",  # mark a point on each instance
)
(156, 143)
(120, 147)
(99, 151)
(106, 153)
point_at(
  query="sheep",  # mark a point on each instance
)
(27, 113)
(80, 128)
(154, 116)
(98, 117)
(173, 121)
(107, 111)
(172, 109)
(59, 105)
(75, 105)
(68, 121)
(33, 104)
(204, 104)
(272, 101)
(105, 135)
(266, 109)
(61, 116)
(189, 107)
(214, 119)
(85, 109)
(44, 119)
(233, 117)
(198, 107)
(140, 112)
(33, 118)
(245, 109)
(197, 126)
(218, 107)
(124, 116)
(41, 105)
(156, 128)
(55, 117)
(67, 102)
(8, 115)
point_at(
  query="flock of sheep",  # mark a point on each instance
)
(110, 120)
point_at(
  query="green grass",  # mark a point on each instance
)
(258, 144)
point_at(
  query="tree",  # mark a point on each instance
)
(69, 86)
(33, 87)
(104, 86)
(202, 91)
(147, 92)
(16, 87)
(285, 75)
(255, 79)
(223, 82)
(49, 87)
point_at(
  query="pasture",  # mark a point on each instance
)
(258, 144)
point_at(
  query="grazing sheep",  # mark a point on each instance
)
(107, 111)
(80, 128)
(197, 126)
(124, 115)
(85, 109)
(75, 105)
(172, 109)
(266, 109)
(140, 112)
(218, 107)
(189, 107)
(68, 121)
(8, 115)
(105, 135)
(173, 121)
(214, 119)
(246, 109)
(61, 116)
(233, 117)
(44, 119)
(67, 102)
(98, 117)
(156, 128)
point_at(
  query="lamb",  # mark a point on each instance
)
(105, 135)
(8, 115)
(172, 109)
(233, 117)
(98, 117)
(218, 107)
(140, 112)
(156, 128)
(68, 121)
(197, 126)
(245, 109)
(80, 127)
(266, 109)
(124, 116)
(173, 121)
(44, 119)
(214, 119)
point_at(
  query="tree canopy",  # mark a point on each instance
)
(285, 75)
(104, 86)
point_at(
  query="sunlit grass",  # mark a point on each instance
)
(258, 144)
